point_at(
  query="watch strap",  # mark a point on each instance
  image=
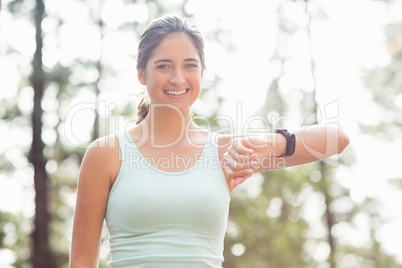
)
(290, 142)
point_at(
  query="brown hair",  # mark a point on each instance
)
(151, 37)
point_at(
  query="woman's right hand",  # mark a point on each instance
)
(237, 162)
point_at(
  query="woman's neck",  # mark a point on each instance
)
(167, 125)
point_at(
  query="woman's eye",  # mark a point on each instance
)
(190, 65)
(163, 66)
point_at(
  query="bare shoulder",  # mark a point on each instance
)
(102, 160)
(98, 168)
(105, 143)
(103, 150)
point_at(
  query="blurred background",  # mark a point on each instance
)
(68, 76)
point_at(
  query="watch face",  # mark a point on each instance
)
(291, 144)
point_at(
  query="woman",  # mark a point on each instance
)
(164, 186)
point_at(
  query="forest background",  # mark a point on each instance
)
(67, 76)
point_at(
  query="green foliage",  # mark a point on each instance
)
(63, 83)
(397, 182)
(385, 84)
(13, 236)
(265, 218)
(19, 7)
(267, 224)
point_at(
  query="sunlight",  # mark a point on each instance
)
(243, 59)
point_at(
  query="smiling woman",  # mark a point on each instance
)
(163, 187)
(160, 58)
(173, 72)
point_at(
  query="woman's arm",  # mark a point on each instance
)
(317, 142)
(98, 170)
(260, 152)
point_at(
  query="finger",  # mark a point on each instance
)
(240, 157)
(239, 145)
(238, 180)
(231, 163)
(232, 174)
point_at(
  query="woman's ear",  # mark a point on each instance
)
(141, 76)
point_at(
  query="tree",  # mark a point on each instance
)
(267, 227)
(384, 83)
(289, 191)
(41, 250)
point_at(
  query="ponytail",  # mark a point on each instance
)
(143, 109)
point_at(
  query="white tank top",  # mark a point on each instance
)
(167, 219)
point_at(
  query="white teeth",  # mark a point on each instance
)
(175, 92)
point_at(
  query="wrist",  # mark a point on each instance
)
(279, 145)
(275, 143)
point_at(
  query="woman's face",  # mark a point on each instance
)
(173, 72)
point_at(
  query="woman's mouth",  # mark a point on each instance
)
(176, 92)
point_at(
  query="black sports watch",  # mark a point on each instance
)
(290, 142)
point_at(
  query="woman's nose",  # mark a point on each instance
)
(177, 77)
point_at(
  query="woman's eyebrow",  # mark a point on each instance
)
(162, 60)
(191, 59)
(167, 60)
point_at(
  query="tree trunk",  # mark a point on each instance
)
(40, 236)
(329, 216)
(97, 91)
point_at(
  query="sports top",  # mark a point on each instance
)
(167, 219)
